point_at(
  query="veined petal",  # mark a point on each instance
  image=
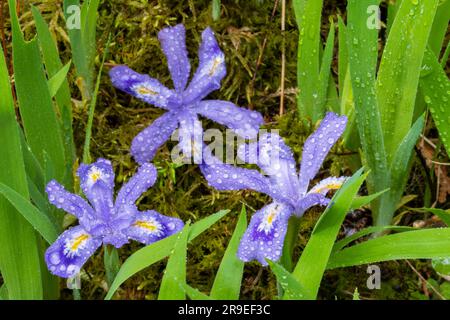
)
(69, 202)
(141, 181)
(273, 156)
(223, 176)
(146, 143)
(70, 251)
(330, 183)
(173, 44)
(97, 183)
(211, 69)
(151, 226)
(264, 238)
(310, 200)
(144, 87)
(99, 171)
(317, 147)
(244, 122)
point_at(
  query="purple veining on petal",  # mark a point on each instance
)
(264, 237)
(151, 226)
(70, 251)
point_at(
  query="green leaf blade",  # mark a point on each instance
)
(227, 283)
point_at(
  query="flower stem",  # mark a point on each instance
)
(288, 248)
(112, 263)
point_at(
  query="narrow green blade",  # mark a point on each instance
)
(436, 89)
(362, 45)
(313, 261)
(398, 76)
(419, 244)
(37, 219)
(175, 271)
(227, 283)
(293, 290)
(40, 123)
(308, 16)
(21, 272)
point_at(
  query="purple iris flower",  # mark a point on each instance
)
(265, 234)
(186, 101)
(104, 221)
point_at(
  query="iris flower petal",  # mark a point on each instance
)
(151, 226)
(144, 87)
(264, 237)
(211, 69)
(330, 183)
(140, 182)
(97, 183)
(243, 122)
(272, 155)
(70, 251)
(173, 44)
(317, 147)
(146, 143)
(310, 200)
(69, 202)
(223, 176)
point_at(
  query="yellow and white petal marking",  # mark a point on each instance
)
(144, 90)
(328, 184)
(215, 64)
(95, 174)
(149, 226)
(72, 246)
(270, 216)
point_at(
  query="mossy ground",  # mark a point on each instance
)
(182, 191)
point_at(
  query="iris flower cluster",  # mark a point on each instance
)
(103, 220)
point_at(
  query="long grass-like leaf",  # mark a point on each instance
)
(227, 283)
(419, 244)
(308, 15)
(39, 119)
(400, 166)
(313, 261)
(175, 272)
(92, 105)
(19, 255)
(436, 89)
(399, 72)
(440, 26)
(36, 218)
(53, 66)
(293, 290)
(362, 44)
(55, 82)
(366, 231)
